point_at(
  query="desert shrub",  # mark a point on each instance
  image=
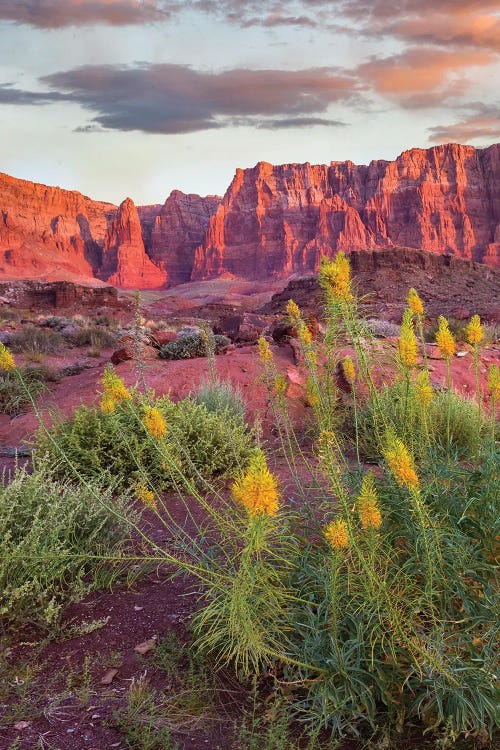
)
(48, 530)
(96, 336)
(191, 346)
(34, 340)
(13, 394)
(456, 328)
(491, 333)
(403, 414)
(94, 444)
(383, 328)
(221, 397)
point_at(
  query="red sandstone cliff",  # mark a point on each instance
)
(124, 260)
(272, 222)
(179, 227)
(278, 220)
(49, 231)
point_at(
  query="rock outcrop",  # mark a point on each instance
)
(179, 228)
(46, 230)
(382, 277)
(125, 263)
(279, 220)
(274, 221)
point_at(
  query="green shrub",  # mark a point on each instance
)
(191, 346)
(13, 395)
(35, 341)
(221, 397)
(118, 446)
(95, 336)
(48, 529)
(399, 405)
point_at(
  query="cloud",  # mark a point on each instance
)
(445, 23)
(53, 14)
(422, 76)
(169, 98)
(483, 125)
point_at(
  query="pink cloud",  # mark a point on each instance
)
(423, 75)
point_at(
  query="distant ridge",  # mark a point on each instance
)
(273, 221)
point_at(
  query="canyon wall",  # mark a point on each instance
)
(272, 222)
(279, 220)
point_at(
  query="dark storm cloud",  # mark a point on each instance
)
(52, 14)
(178, 99)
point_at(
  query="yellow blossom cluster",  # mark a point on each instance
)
(7, 363)
(348, 369)
(474, 331)
(444, 338)
(494, 380)
(424, 390)
(367, 504)
(337, 534)
(265, 352)
(400, 464)
(293, 312)
(407, 343)
(415, 303)
(154, 422)
(114, 391)
(146, 496)
(257, 489)
(311, 392)
(305, 335)
(335, 277)
(280, 384)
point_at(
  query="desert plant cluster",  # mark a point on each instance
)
(351, 596)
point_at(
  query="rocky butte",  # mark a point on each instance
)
(273, 221)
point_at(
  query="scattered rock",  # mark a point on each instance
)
(143, 648)
(108, 677)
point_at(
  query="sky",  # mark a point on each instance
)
(136, 98)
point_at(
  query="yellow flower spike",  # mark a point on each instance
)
(280, 384)
(348, 369)
(337, 534)
(146, 496)
(154, 422)
(257, 489)
(265, 352)
(311, 358)
(407, 343)
(7, 363)
(293, 312)
(311, 393)
(444, 338)
(400, 464)
(107, 405)
(305, 335)
(425, 392)
(367, 504)
(474, 331)
(494, 380)
(415, 303)
(114, 387)
(335, 277)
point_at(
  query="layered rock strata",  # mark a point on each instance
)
(273, 221)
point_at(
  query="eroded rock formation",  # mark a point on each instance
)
(273, 221)
(278, 220)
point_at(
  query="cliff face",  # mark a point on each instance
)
(272, 222)
(124, 260)
(277, 220)
(43, 229)
(179, 227)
